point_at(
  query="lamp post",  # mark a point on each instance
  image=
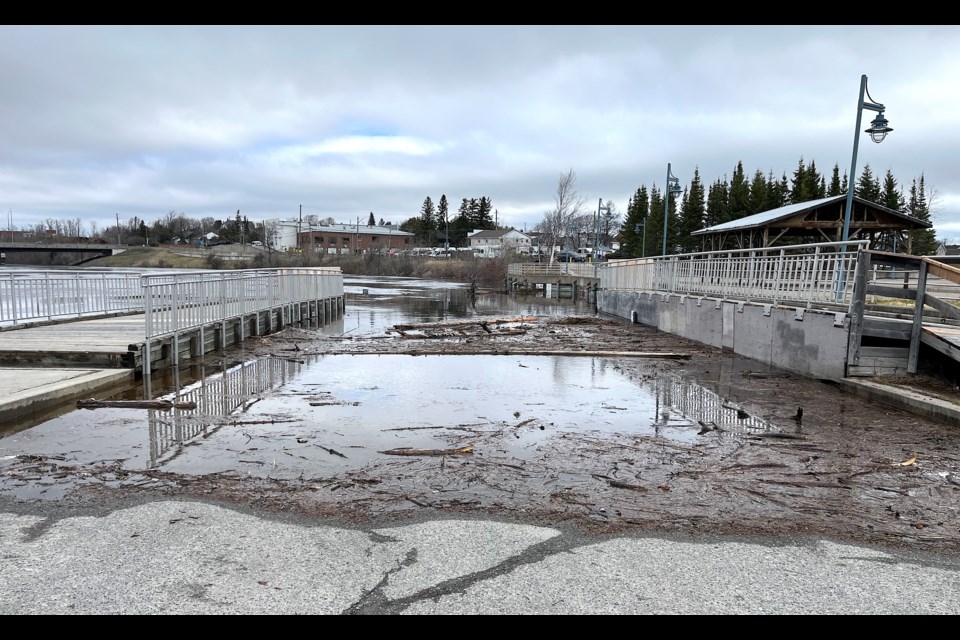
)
(596, 236)
(878, 131)
(673, 187)
(636, 229)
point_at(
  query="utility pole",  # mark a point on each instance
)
(299, 222)
(118, 228)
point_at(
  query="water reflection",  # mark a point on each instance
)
(215, 396)
(357, 405)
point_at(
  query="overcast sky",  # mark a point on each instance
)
(345, 120)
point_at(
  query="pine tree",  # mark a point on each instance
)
(371, 221)
(632, 232)
(759, 193)
(814, 187)
(835, 188)
(482, 213)
(868, 187)
(892, 198)
(797, 193)
(924, 241)
(692, 213)
(739, 194)
(655, 224)
(428, 216)
(717, 207)
(443, 211)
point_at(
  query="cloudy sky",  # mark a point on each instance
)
(100, 121)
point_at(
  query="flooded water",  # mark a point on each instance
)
(317, 415)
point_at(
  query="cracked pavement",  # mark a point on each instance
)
(183, 557)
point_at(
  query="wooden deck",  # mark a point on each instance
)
(106, 343)
(120, 341)
(945, 339)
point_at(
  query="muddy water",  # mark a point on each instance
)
(286, 417)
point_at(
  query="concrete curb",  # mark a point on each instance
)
(37, 389)
(912, 401)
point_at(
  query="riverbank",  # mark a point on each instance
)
(486, 272)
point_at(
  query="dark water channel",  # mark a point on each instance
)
(324, 414)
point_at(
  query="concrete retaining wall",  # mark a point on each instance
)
(810, 342)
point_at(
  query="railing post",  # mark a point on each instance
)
(776, 279)
(857, 306)
(917, 329)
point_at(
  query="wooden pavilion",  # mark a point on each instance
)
(814, 221)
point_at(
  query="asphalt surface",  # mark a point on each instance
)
(173, 557)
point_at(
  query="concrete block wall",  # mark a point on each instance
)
(811, 342)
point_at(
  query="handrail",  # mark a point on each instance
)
(46, 295)
(182, 301)
(802, 275)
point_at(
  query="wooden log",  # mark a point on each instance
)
(410, 451)
(164, 405)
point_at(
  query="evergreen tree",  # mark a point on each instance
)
(759, 194)
(717, 207)
(868, 187)
(461, 225)
(799, 182)
(428, 216)
(632, 233)
(692, 213)
(924, 241)
(482, 212)
(814, 186)
(443, 211)
(777, 192)
(835, 188)
(371, 221)
(892, 196)
(738, 202)
(655, 224)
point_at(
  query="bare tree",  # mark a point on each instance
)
(560, 223)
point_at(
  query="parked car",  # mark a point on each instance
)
(569, 256)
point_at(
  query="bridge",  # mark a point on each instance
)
(115, 319)
(88, 250)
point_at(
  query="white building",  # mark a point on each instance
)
(498, 242)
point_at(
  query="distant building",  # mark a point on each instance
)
(295, 235)
(498, 242)
(944, 249)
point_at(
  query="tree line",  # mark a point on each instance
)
(700, 206)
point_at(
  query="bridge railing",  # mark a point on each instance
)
(799, 275)
(34, 296)
(185, 301)
(534, 270)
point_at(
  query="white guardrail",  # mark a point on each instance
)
(806, 274)
(534, 270)
(30, 296)
(185, 301)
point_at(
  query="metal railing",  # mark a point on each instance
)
(800, 275)
(533, 270)
(185, 301)
(29, 296)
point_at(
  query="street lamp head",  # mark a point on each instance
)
(675, 187)
(878, 128)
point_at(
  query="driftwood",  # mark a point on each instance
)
(165, 405)
(410, 451)
(452, 325)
